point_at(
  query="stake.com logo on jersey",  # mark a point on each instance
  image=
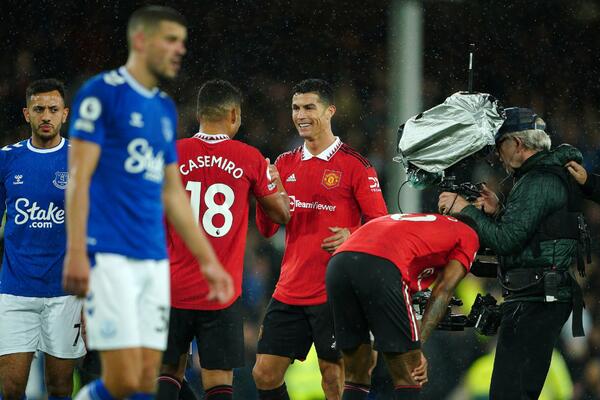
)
(314, 205)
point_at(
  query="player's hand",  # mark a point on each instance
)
(76, 273)
(488, 201)
(219, 282)
(273, 172)
(331, 243)
(451, 203)
(419, 374)
(577, 171)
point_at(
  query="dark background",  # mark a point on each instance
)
(538, 54)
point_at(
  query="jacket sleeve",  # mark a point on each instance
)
(591, 188)
(536, 196)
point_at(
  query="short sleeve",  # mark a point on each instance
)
(466, 248)
(262, 186)
(171, 147)
(89, 112)
(2, 186)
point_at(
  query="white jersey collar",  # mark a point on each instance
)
(50, 150)
(326, 154)
(135, 85)
(211, 138)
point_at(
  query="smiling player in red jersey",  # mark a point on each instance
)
(332, 189)
(370, 282)
(219, 174)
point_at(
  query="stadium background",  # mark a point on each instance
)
(538, 54)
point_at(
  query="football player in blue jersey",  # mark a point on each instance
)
(35, 312)
(124, 178)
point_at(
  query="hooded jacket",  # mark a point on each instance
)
(536, 195)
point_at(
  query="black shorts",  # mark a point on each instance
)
(289, 331)
(367, 293)
(219, 335)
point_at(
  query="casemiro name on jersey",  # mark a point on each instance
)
(212, 161)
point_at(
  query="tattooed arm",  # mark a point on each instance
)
(441, 294)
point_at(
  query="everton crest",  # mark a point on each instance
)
(331, 179)
(60, 180)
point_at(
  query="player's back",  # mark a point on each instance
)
(418, 244)
(219, 175)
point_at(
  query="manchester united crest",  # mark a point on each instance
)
(331, 179)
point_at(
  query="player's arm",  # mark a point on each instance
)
(265, 224)
(277, 205)
(180, 215)
(441, 294)
(83, 159)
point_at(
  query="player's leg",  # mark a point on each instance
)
(400, 366)
(181, 333)
(220, 338)
(153, 324)
(62, 342)
(114, 321)
(14, 373)
(284, 336)
(388, 308)
(351, 327)
(19, 339)
(330, 358)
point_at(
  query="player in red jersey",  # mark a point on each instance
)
(219, 175)
(370, 282)
(332, 189)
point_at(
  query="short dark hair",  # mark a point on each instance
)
(213, 98)
(318, 86)
(149, 17)
(44, 86)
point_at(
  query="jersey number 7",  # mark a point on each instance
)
(212, 208)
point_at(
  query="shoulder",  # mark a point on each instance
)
(167, 101)
(353, 157)
(103, 83)
(13, 149)
(289, 156)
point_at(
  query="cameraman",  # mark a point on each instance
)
(535, 237)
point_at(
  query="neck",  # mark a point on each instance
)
(140, 72)
(42, 143)
(317, 145)
(216, 128)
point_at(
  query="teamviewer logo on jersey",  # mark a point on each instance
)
(292, 203)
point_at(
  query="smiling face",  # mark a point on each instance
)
(46, 112)
(311, 116)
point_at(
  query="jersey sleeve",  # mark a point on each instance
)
(368, 193)
(466, 248)
(262, 186)
(2, 186)
(171, 148)
(265, 226)
(90, 112)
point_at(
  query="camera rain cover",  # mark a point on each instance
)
(449, 132)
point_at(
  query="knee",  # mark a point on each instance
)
(13, 389)
(331, 377)
(60, 386)
(124, 385)
(266, 378)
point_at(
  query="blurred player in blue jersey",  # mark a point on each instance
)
(35, 312)
(124, 175)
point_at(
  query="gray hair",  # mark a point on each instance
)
(533, 139)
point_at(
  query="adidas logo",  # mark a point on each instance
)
(291, 178)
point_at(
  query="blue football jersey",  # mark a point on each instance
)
(135, 129)
(32, 191)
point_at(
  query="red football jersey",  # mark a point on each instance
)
(338, 187)
(418, 244)
(218, 174)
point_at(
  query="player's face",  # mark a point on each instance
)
(311, 117)
(165, 49)
(46, 113)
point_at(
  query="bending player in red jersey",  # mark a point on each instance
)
(219, 175)
(370, 282)
(332, 189)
